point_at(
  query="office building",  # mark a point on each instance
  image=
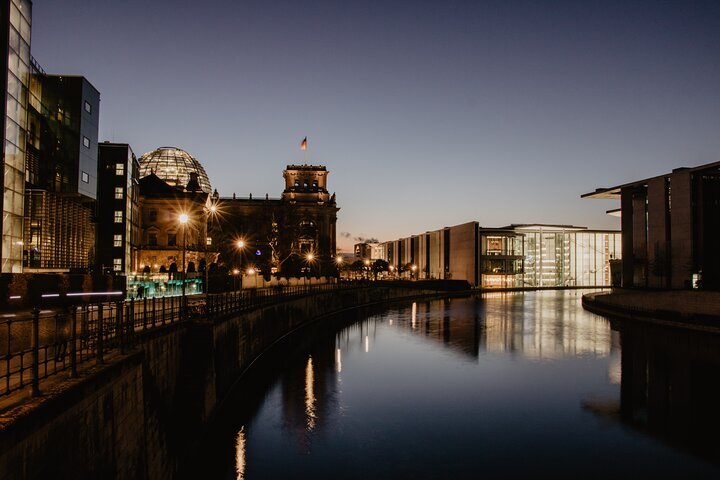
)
(118, 218)
(508, 257)
(669, 228)
(15, 22)
(61, 173)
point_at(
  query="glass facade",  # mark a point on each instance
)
(174, 166)
(18, 79)
(501, 259)
(557, 256)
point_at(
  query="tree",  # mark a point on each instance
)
(379, 266)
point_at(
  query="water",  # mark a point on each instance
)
(504, 386)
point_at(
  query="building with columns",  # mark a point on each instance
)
(669, 228)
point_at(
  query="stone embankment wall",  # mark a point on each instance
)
(137, 416)
(695, 309)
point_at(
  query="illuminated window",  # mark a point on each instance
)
(117, 240)
(88, 107)
(117, 264)
(208, 241)
(86, 142)
(119, 169)
(118, 193)
(118, 216)
(85, 177)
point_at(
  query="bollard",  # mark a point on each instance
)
(99, 333)
(36, 352)
(73, 344)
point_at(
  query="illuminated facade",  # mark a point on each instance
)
(508, 257)
(60, 173)
(289, 235)
(15, 21)
(174, 166)
(163, 236)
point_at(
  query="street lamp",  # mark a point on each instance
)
(309, 258)
(252, 271)
(210, 214)
(235, 273)
(414, 269)
(183, 219)
(367, 269)
(240, 245)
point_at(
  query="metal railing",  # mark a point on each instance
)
(44, 343)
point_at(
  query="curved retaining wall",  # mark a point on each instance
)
(134, 417)
(685, 309)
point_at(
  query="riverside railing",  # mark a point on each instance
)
(43, 343)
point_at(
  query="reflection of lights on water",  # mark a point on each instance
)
(414, 314)
(367, 344)
(310, 394)
(338, 361)
(391, 321)
(240, 454)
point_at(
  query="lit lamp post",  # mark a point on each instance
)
(309, 258)
(413, 269)
(339, 263)
(367, 269)
(235, 273)
(211, 212)
(240, 244)
(251, 271)
(391, 269)
(183, 218)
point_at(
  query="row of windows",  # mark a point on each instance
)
(171, 239)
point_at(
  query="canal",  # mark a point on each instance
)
(512, 385)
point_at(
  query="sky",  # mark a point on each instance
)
(426, 113)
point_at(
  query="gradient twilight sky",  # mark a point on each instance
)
(426, 113)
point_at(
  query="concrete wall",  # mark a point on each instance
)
(135, 417)
(463, 247)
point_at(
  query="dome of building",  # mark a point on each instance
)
(174, 166)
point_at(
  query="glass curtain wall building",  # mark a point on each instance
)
(509, 257)
(564, 255)
(15, 18)
(61, 172)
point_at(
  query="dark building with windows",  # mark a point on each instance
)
(60, 172)
(15, 61)
(118, 220)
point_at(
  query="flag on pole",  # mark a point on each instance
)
(303, 144)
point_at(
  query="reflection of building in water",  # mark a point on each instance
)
(670, 385)
(308, 388)
(460, 331)
(538, 325)
(543, 326)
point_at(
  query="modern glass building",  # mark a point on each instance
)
(60, 173)
(174, 166)
(509, 257)
(15, 22)
(565, 255)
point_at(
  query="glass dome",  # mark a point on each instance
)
(174, 166)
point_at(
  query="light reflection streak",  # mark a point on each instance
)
(338, 361)
(367, 344)
(310, 394)
(240, 454)
(414, 315)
